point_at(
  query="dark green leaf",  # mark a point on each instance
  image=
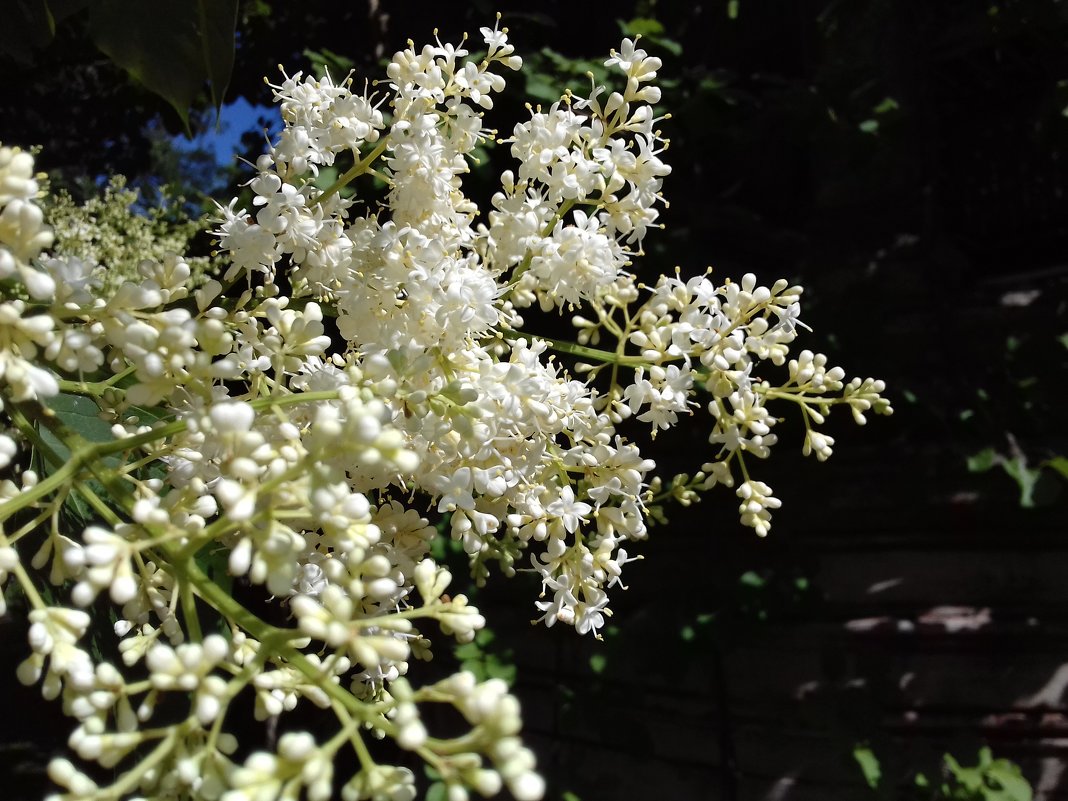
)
(1015, 786)
(218, 22)
(172, 48)
(27, 24)
(215, 563)
(81, 416)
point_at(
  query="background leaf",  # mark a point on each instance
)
(28, 24)
(172, 48)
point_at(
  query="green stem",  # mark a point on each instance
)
(189, 612)
(524, 265)
(132, 778)
(357, 169)
(585, 352)
(231, 609)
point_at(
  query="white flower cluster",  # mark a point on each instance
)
(359, 369)
(114, 229)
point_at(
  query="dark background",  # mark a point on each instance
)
(901, 602)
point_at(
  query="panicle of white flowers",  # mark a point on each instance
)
(298, 435)
(105, 238)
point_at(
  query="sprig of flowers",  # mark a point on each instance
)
(348, 373)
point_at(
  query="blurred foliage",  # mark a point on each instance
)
(989, 780)
(1040, 480)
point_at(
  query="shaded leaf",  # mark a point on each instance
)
(218, 23)
(27, 24)
(81, 416)
(172, 48)
(542, 88)
(325, 60)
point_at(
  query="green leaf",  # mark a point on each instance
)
(28, 24)
(598, 662)
(1058, 463)
(642, 26)
(869, 126)
(81, 416)
(496, 669)
(326, 59)
(540, 87)
(218, 23)
(672, 47)
(888, 104)
(1014, 785)
(467, 650)
(172, 48)
(751, 579)
(983, 461)
(732, 9)
(869, 765)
